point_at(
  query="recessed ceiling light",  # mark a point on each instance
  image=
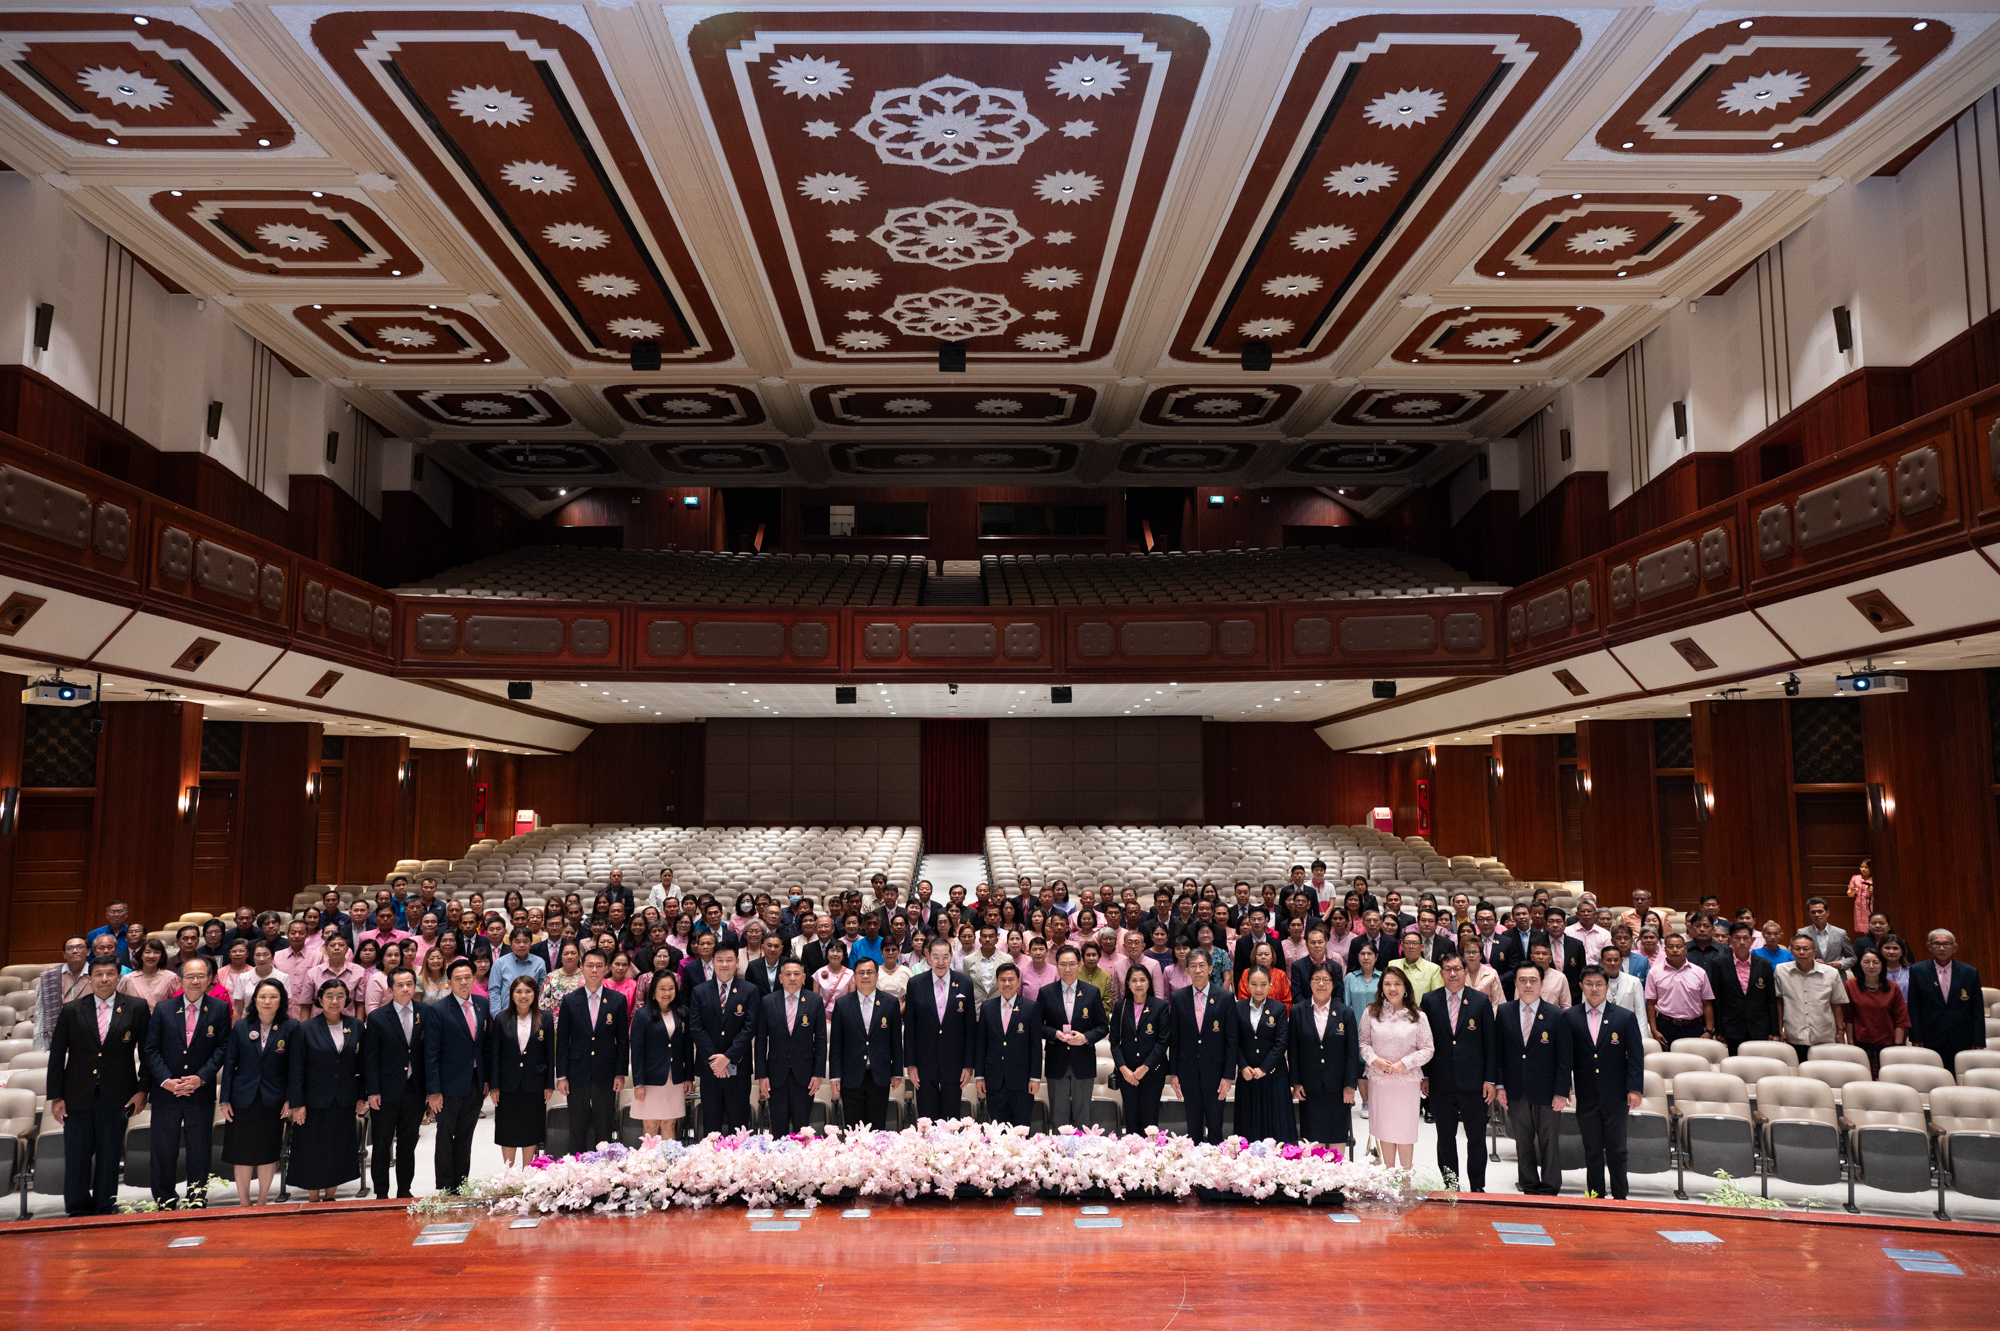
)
(1576, 196)
(142, 22)
(1712, 198)
(1920, 25)
(1626, 144)
(111, 141)
(1779, 144)
(1747, 23)
(176, 193)
(319, 194)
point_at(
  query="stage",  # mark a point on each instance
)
(1485, 1263)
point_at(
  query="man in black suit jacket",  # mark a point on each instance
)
(1947, 1006)
(1566, 952)
(392, 1075)
(97, 1081)
(1386, 944)
(937, 1036)
(1534, 1081)
(185, 1043)
(1510, 953)
(593, 1043)
(1073, 1020)
(866, 1049)
(456, 1074)
(1300, 971)
(723, 1016)
(791, 1050)
(1610, 1079)
(1201, 1061)
(763, 973)
(1461, 1074)
(1744, 1014)
(1007, 1051)
(923, 913)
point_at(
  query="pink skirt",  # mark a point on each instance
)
(653, 1103)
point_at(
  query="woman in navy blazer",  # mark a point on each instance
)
(325, 1096)
(523, 1071)
(1325, 1068)
(1139, 1050)
(256, 1081)
(662, 1060)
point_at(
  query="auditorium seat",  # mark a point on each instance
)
(1779, 1050)
(1966, 1120)
(1715, 1051)
(1969, 1060)
(1715, 1127)
(1218, 576)
(1984, 1078)
(1896, 1056)
(683, 577)
(1837, 1053)
(1919, 1078)
(1673, 1065)
(1649, 1143)
(1888, 1140)
(1752, 1071)
(1799, 1128)
(1836, 1074)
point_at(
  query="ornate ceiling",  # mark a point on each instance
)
(467, 217)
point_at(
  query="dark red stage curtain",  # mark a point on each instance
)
(954, 777)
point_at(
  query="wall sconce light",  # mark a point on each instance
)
(190, 803)
(1583, 783)
(406, 773)
(1493, 770)
(471, 752)
(312, 787)
(1704, 801)
(1880, 806)
(10, 807)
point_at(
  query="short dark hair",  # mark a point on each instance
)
(1741, 926)
(1006, 968)
(103, 959)
(1066, 947)
(864, 961)
(597, 952)
(458, 963)
(790, 962)
(521, 933)
(394, 971)
(1590, 970)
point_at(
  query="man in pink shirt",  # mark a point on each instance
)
(1680, 1001)
(1037, 971)
(305, 998)
(1133, 953)
(385, 930)
(293, 959)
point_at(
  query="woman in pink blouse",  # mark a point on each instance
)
(624, 981)
(152, 981)
(1862, 888)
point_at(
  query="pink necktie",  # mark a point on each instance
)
(193, 1009)
(791, 1011)
(471, 1022)
(1593, 1025)
(1200, 1006)
(1006, 1017)
(1453, 1000)
(103, 1022)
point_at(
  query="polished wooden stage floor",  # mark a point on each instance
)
(980, 1265)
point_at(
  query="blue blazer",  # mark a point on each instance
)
(938, 1045)
(657, 1057)
(455, 1058)
(169, 1052)
(1538, 1071)
(1325, 1065)
(595, 1056)
(1263, 1048)
(1946, 1022)
(1088, 1020)
(1465, 1055)
(321, 1077)
(1007, 1060)
(255, 1071)
(1612, 1068)
(1207, 1053)
(1141, 1045)
(873, 1054)
(509, 1068)
(796, 1055)
(390, 1067)
(731, 1031)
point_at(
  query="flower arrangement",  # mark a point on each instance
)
(951, 1158)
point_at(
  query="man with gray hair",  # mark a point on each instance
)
(1947, 1007)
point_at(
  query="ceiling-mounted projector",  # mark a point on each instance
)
(1870, 681)
(57, 693)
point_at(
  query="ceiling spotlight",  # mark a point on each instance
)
(1626, 144)
(263, 143)
(1914, 27)
(1576, 196)
(319, 194)
(142, 22)
(1779, 144)
(176, 193)
(113, 142)
(1712, 198)
(1746, 23)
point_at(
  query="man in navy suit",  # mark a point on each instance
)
(455, 1072)
(1510, 952)
(392, 1074)
(1459, 1078)
(1201, 1061)
(96, 1082)
(723, 1014)
(1007, 1051)
(938, 1017)
(1947, 1006)
(791, 1050)
(593, 1035)
(867, 1049)
(184, 1046)
(1073, 1021)
(1534, 1054)
(1316, 955)
(1610, 1057)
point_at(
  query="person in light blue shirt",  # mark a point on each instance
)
(869, 944)
(512, 964)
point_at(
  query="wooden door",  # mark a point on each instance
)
(326, 860)
(217, 827)
(1570, 786)
(1833, 840)
(1680, 844)
(52, 842)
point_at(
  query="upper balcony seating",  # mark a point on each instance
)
(683, 577)
(1217, 576)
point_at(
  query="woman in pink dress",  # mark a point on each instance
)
(1862, 888)
(1395, 1045)
(625, 981)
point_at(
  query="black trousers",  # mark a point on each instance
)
(1204, 1108)
(1014, 1107)
(394, 1126)
(455, 1122)
(1603, 1128)
(1535, 1130)
(178, 1118)
(865, 1103)
(93, 1155)
(939, 1096)
(1142, 1102)
(1451, 1112)
(725, 1102)
(593, 1114)
(1671, 1030)
(791, 1106)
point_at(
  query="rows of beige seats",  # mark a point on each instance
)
(683, 577)
(578, 857)
(1149, 857)
(1218, 576)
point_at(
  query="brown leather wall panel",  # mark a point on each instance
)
(384, 621)
(1548, 613)
(666, 637)
(44, 508)
(1850, 504)
(313, 604)
(1179, 637)
(220, 569)
(114, 531)
(176, 554)
(1093, 639)
(348, 613)
(1714, 554)
(590, 637)
(1465, 632)
(1580, 608)
(1388, 633)
(1919, 481)
(810, 641)
(1023, 641)
(973, 641)
(729, 637)
(1312, 637)
(1621, 587)
(528, 634)
(271, 588)
(1517, 625)
(1774, 533)
(882, 642)
(435, 633)
(1237, 637)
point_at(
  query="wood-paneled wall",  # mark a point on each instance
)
(1256, 519)
(1935, 861)
(1571, 522)
(954, 521)
(620, 774)
(1486, 544)
(1262, 773)
(13, 723)
(1743, 753)
(1404, 769)
(150, 754)
(1461, 807)
(1527, 807)
(1620, 829)
(280, 827)
(381, 812)
(651, 519)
